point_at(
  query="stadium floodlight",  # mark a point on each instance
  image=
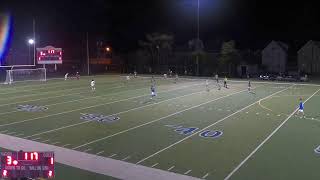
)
(31, 41)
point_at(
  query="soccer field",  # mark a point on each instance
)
(217, 134)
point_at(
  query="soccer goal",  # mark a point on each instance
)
(16, 75)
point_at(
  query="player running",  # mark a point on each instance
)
(249, 86)
(153, 91)
(301, 108)
(135, 74)
(66, 76)
(217, 78)
(93, 85)
(225, 82)
(78, 75)
(176, 78)
(207, 86)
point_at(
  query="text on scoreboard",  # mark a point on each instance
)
(49, 55)
(27, 164)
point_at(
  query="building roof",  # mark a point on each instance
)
(312, 43)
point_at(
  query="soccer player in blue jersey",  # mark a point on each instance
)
(301, 108)
(153, 91)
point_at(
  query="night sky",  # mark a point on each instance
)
(252, 23)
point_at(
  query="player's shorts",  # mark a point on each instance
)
(301, 110)
(153, 93)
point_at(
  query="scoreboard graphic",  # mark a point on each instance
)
(49, 55)
(26, 165)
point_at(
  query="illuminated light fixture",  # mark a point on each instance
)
(31, 41)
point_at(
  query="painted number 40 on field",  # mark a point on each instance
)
(190, 130)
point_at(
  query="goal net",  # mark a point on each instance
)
(15, 75)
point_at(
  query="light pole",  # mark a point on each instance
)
(198, 38)
(30, 43)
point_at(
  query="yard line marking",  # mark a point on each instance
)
(187, 172)
(125, 158)
(265, 140)
(112, 155)
(4, 131)
(46, 140)
(171, 168)
(66, 145)
(87, 150)
(230, 115)
(205, 176)
(88, 107)
(11, 133)
(36, 139)
(54, 143)
(52, 97)
(49, 92)
(99, 152)
(21, 134)
(133, 109)
(164, 117)
(154, 165)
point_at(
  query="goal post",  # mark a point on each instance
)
(17, 75)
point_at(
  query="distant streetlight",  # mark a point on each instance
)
(107, 49)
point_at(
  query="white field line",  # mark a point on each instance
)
(187, 172)
(66, 145)
(265, 140)
(54, 85)
(36, 139)
(205, 176)
(159, 119)
(11, 133)
(230, 115)
(128, 157)
(154, 165)
(171, 168)
(94, 97)
(20, 135)
(46, 140)
(263, 107)
(54, 97)
(85, 122)
(49, 92)
(88, 107)
(112, 155)
(87, 150)
(55, 143)
(99, 152)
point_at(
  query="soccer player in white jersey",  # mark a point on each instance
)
(66, 76)
(207, 86)
(93, 85)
